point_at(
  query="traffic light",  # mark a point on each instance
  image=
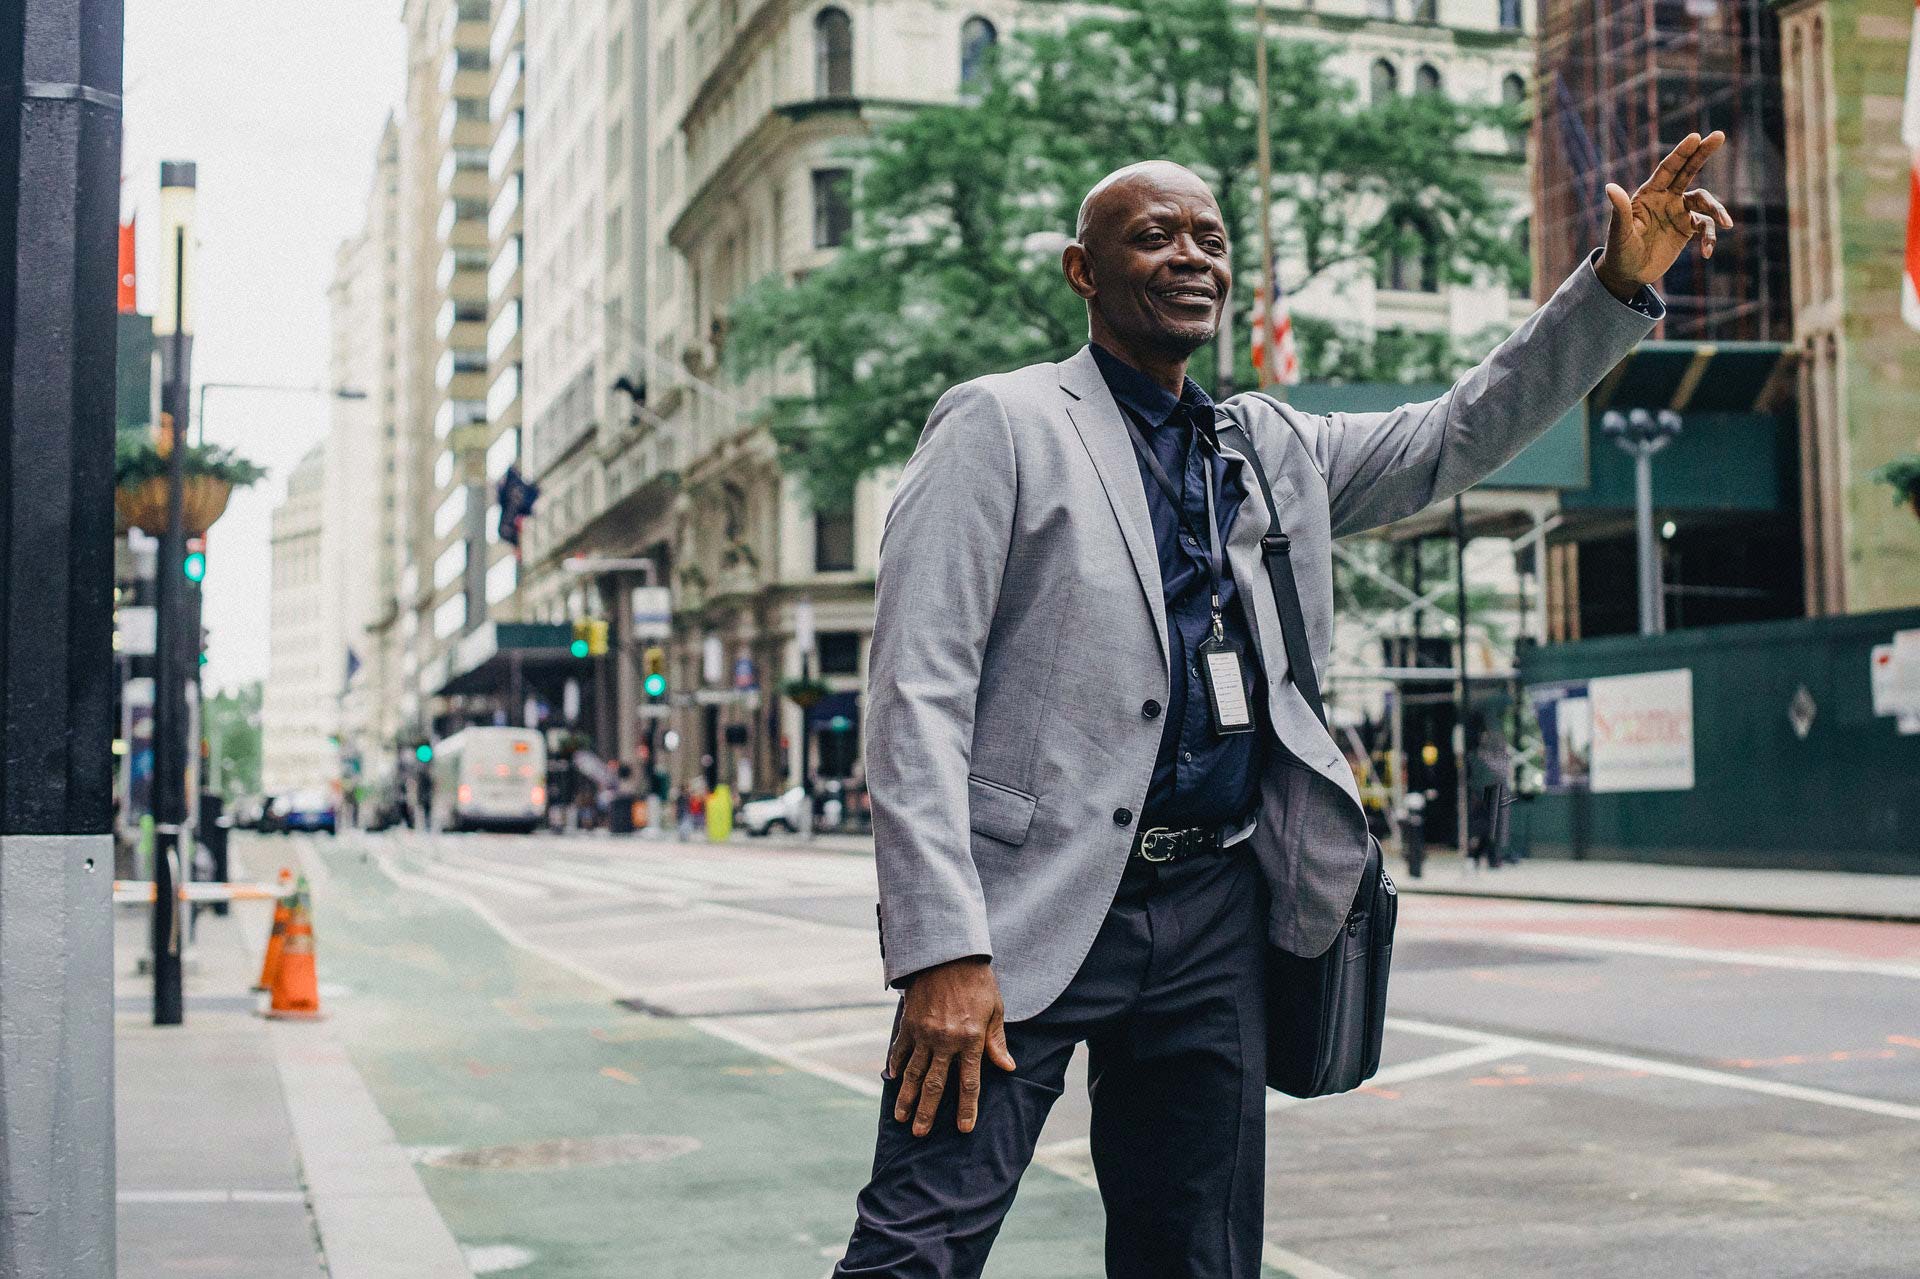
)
(596, 637)
(195, 565)
(581, 645)
(655, 683)
(424, 752)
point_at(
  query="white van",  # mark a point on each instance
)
(490, 778)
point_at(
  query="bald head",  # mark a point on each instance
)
(1120, 189)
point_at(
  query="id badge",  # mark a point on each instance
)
(1226, 690)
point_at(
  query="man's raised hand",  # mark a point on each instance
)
(1653, 226)
(952, 1016)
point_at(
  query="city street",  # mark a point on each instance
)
(619, 1057)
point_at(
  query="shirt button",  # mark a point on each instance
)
(1150, 709)
(1186, 757)
(1191, 539)
(1122, 817)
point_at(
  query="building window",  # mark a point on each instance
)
(1380, 9)
(833, 54)
(1427, 79)
(977, 38)
(832, 207)
(1385, 81)
(839, 652)
(1513, 95)
(833, 541)
(1426, 10)
(1510, 15)
(1411, 263)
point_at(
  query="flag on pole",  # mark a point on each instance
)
(1910, 134)
(1273, 335)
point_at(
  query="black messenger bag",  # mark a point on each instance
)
(1326, 1015)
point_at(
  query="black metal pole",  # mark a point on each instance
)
(59, 201)
(1463, 689)
(171, 853)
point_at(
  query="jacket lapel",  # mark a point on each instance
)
(1103, 432)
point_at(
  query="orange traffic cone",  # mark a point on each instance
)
(282, 911)
(296, 985)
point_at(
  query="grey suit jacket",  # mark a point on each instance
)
(1020, 628)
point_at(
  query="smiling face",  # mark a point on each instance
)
(1152, 262)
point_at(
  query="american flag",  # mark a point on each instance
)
(1273, 331)
(1910, 134)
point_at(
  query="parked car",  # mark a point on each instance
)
(769, 812)
(307, 810)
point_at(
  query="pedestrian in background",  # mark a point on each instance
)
(1099, 791)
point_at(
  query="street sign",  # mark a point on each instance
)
(803, 624)
(744, 678)
(712, 660)
(138, 629)
(652, 612)
(655, 711)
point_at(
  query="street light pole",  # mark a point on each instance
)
(1641, 434)
(173, 843)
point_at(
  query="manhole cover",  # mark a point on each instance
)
(566, 1152)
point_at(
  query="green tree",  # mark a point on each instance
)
(233, 740)
(960, 212)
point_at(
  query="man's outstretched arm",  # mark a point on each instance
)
(1381, 467)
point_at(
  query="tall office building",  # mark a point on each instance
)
(444, 204)
(300, 700)
(506, 110)
(1845, 74)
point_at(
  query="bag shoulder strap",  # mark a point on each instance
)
(1276, 548)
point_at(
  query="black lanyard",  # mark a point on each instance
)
(1173, 496)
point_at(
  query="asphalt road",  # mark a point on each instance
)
(635, 1057)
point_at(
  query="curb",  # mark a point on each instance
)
(1643, 903)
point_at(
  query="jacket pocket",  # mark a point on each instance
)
(999, 812)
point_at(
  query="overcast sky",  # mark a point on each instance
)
(280, 105)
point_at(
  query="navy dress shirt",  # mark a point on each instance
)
(1200, 778)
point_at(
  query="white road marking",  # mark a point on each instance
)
(498, 883)
(875, 1035)
(1653, 1066)
(541, 875)
(1666, 950)
(1407, 1071)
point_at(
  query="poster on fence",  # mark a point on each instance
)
(1642, 731)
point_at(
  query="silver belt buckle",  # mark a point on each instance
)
(1150, 839)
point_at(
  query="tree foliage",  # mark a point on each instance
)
(961, 211)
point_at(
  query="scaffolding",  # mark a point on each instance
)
(1620, 82)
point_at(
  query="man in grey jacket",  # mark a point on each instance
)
(1098, 792)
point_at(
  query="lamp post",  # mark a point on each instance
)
(284, 388)
(172, 322)
(1641, 433)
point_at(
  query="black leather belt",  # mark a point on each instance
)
(1162, 844)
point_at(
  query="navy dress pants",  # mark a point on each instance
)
(1170, 1003)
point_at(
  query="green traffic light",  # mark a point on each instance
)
(423, 753)
(578, 648)
(196, 566)
(656, 684)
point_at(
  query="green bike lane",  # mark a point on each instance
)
(560, 1134)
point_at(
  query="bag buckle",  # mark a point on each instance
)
(1149, 840)
(1276, 543)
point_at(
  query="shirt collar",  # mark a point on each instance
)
(1149, 401)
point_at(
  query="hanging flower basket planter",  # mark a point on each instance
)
(144, 505)
(1903, 475)
(805, 693)
(209, 476)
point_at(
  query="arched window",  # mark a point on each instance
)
(1411, 263)
(1510, 15)
(1426, 10)
(1385, 81)
(1426, 79)
(977, 37)
(1513, 95)
(833, 54)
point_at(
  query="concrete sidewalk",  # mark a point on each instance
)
(1813, 893)
(249, 1147)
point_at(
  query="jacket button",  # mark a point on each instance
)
(1122, 816)
(1150, 709)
